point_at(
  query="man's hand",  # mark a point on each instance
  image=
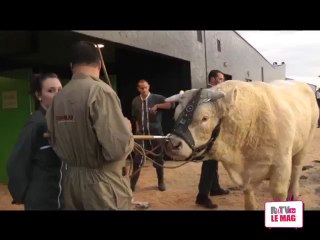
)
(154, 109)
(46, 135)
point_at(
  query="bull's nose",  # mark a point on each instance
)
(175, 143)
(177, 146)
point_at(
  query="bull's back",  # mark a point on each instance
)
(300, 99)
(290, 96)
(290, 109)
(302, 103)
(295, 107)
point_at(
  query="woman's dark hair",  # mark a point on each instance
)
(36, 85)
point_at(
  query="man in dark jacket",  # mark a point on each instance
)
(209, 179)
(147, 114)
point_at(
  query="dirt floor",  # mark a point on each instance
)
(182, 187)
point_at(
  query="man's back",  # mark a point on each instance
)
(81, 126)
(89, 132)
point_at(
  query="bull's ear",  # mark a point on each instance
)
(214, 95)
(231, 97)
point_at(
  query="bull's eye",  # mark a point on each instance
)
(204, 119)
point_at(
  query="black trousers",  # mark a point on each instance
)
(209, 179)
(318, 101)
(138, 161)
(149, 145)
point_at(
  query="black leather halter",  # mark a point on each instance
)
(181, 128)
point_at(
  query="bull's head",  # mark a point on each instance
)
(197, 121)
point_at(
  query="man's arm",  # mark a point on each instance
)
(161, 105)
(19, 163)
(111, 127)
(167, 105)
(137, 127)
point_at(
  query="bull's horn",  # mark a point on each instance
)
(213, 95)
(175, 98)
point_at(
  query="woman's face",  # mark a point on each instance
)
(50, 87)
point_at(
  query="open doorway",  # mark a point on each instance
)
(227, 77)
(23, 53)
(166, 75)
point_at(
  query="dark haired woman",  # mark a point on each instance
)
(34, 170)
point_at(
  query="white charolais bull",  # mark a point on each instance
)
(256, 130)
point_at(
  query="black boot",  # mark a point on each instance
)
(215, 188)
(134, 179)
(205, 201)
(161, 185)
(218, 192)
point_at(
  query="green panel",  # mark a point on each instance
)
(12, 120)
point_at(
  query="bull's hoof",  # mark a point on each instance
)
(235, 188)
(291, 197)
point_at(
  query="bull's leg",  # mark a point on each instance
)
(297, 160)
(249, 199)
(249, 196)
(279, 180)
